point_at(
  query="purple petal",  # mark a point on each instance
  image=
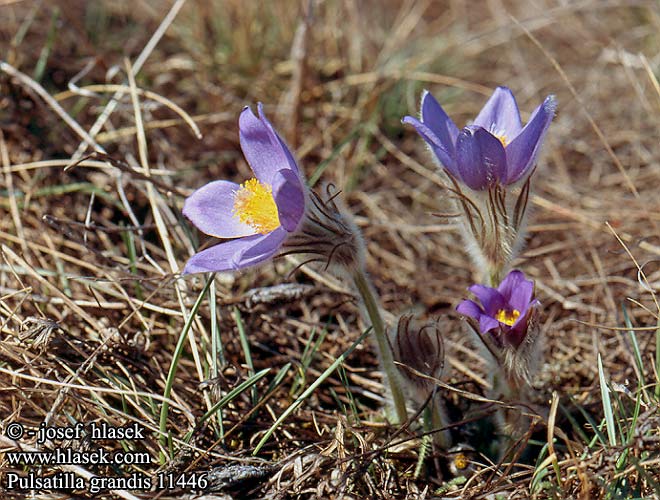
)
(486, 324)
(264, 249)
(468, 160)
(491, 299)
(517, 291)
(480, 158)
(289, 195)
(470, 309)
(518, 331)
(264, 150)
(500, 114)
(493, 157)
(445, 157)
(510, 282)
(439, 122)
(210, 209)
(524, 313)
(516, 334)
(292, 161)
(236, 254)
(523, 151)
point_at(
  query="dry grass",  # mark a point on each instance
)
(92, 308)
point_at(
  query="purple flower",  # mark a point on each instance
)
(260, 213)
(504, 310)
(495, 149)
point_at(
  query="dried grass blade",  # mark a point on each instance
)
(309, 391)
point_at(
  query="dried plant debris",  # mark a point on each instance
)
(120, 377)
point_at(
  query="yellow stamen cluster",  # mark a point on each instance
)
(507, 317)
(255, 206)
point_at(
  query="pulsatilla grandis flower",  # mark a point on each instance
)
(271, 212)
(489, 164)
(260, 213)
(504, 311)
(505, 321)
(276, 211)
(495, 149)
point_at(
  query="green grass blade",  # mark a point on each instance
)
(306, 359)
(245, 344)
(176, 355)
(53, 31)
(598, 434)
(349, 394)
(540, 471)
(278, 378)
(607, 404)
(637, 353)
(632, 429)
(247, 384)
(577, 428)
(129, 241)
(217, 351)
(657, 361)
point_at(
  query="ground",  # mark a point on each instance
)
(99, 327)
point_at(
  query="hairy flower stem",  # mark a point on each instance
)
(509, 419)
(371, 305)
(494, 276)
(439, 421)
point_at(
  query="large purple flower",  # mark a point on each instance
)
(495, 149)
(505, 310)
(259, 213)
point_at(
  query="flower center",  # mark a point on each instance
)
(255, 206)
(507, 317)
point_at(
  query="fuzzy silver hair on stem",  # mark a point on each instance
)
(493, 225)
(328, 234)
